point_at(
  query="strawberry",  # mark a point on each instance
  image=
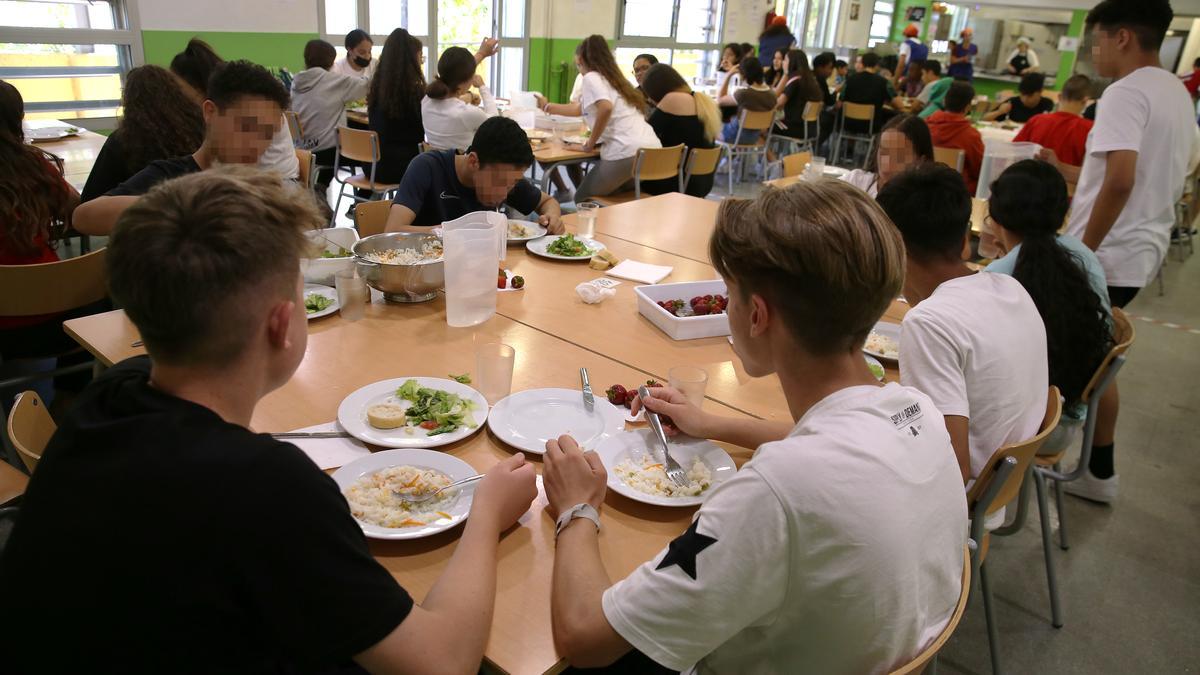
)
(616, 394)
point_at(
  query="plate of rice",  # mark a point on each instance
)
(635, 469)
(370, 485)
(524, 230)
(430, 251)
(884, 341)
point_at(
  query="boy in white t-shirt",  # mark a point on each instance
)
(838, 548)
(1131, 178)
(974, 344)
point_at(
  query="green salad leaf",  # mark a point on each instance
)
(876, 370)
(465, 378)
(449, 411)
(315, 302)
(340, 253)
(568, 245)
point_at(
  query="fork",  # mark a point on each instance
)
(674, 471)
(405, 497)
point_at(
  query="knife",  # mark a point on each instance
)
(589, 401)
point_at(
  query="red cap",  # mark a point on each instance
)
(779, 21)
(911, 30)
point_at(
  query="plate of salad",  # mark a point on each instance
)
(319, 300)
(413, 412)
(566, 247)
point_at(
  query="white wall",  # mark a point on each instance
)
(267, 16)
(573, 18)
(744, 19)
(855, 33)
(1191, 47)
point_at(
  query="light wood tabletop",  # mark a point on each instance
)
(674, 223)
(78, 153)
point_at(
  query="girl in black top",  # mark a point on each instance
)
(680, 116)
(160, 121)
(799, 89)
(394, 105)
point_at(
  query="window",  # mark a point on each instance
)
(683, 33)
(881, 22)
(814, 22)
(68, 58)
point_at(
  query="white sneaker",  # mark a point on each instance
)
(1102, 490)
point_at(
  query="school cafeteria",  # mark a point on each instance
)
(610, 336)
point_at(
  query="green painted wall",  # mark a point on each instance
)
(273, 50)
(899, 23)
(1066, 62)
(552, 67)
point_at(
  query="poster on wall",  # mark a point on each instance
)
(915, 14)
(854, 11)
(1068, 44)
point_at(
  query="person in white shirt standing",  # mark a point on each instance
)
(838, 548)
(358, 61)
(319, 98)
(450, 122)
(615, 113)
(1132, 176)
(974, 343)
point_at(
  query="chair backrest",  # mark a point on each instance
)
(371, 217)
(1123, 337)
(1023, 452)
(793, 164)
(293, 120)
(703, 161)
(658, 163)
(30, 427)
(54, 287)
(919, 663)
(981, 107)
(864, 112)
(951, 157)
(307, 162)
(12, 483)
(812, 111)
(757, 120)
(361, 145)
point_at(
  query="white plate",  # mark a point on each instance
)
(324, 291)
(577, 139)
(352, 414)
(888, 329)
(527, 419)
(636, 444)
(539, 134)
(872, 361)
(49, 134)
(538, 247)
(538, 231)
(450, 465)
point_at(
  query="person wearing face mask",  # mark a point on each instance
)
(450, 122)
(358, 61)
(904, 143)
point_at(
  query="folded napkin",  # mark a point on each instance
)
(329, 453)
(640, 272)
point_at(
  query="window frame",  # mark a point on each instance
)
(126, 36)
(873, 40)
(671, 42)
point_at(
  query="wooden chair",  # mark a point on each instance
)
(361, 146)
(53, 288)
(998, 483)
(748, 120)
(793, 164)
(650, 164)
(308, 168)
(929, 654)
(371, 217)
(30, 428)
(951, 157)
(806, 141)
(700, 162)
(981, 107)
(293, 120)
(861, 112)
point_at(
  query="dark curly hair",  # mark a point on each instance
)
(500, 140)
(34, 198)
(159, 120)
(1030, 199)
(399, 84)
(236, 79)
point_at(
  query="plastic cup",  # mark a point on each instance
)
(690, 381)
(816, 167)
(352, 293)
(586, 213)
(494, 363)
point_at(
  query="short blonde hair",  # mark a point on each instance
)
(189, 260)
(822, 254)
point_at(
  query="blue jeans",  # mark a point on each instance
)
(749, 136)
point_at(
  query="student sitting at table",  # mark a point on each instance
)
(680, 116)
(450, 122)
(195, 65)
(1028, 103)
(951, 128)
(358, 61)
(914, 82)
(158, 121)
(974, 343)
(445, 185)
(756, 96)
(394, 105)
(731, 79)
(933, 94)
(1064, 131)
(796, 91)
(210, 547)
(1028, 205)
(788, 566)
(822, 68)
(241, 115)
(614, 112)
(319, 97)
(870, 88)
(903, 143)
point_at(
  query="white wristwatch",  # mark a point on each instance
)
(577, 511)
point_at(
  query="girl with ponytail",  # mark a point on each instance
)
(450, 122)
(1028, 204)
(680, 116)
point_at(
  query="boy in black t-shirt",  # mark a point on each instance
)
(870, 88)
(241, 115)
(442, 186)
(160, 534)
(1029, 103)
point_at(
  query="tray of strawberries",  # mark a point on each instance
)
(686, 310)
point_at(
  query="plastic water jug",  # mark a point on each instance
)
(474, 245)
(997, 156)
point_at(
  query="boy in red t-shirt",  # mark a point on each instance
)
(1192, 83)
(1064, 131)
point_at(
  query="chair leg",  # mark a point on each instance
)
(337, 207)
(993, 634)
(1062, 512)
(1039, 482)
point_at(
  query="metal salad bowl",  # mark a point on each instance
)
(417, 282)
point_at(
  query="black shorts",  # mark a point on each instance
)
(1120, 296)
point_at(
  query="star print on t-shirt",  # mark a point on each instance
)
(684, 549)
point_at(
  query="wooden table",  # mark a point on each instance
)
(358, 116)
(551, 156)
(77, 152)
(554, 334)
